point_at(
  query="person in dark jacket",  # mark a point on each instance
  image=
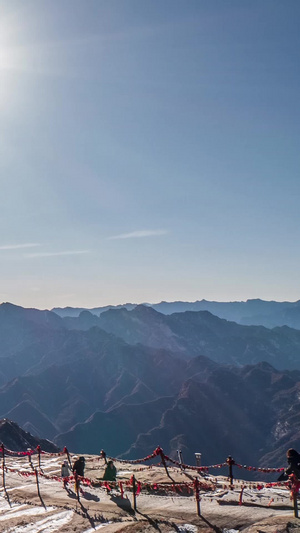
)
(110, 473)
(78, 466)
(293, 459)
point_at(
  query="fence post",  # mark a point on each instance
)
(134, 491)
(38, 487)
(68, 456)
(38, 448)
(197, 496)
(3, 466)
(295, 503)
(162, 456)
(29, 458)
(294, 490)
(230, 462)
(2, 448)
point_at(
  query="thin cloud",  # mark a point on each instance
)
(18, 246)
(55, 254)
(140, 234)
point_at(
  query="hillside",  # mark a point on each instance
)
(82, 385)
(219, 411)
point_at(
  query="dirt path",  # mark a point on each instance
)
(59, 511)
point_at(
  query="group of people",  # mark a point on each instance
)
(110, 472)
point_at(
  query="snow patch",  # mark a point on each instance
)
(187, 528)
(20, 511)
(281, 429)
(50, 524)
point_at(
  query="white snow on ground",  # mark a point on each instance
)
(23, 510)
(16, 488)
(187, 528)
(47, 525)
(22, 518)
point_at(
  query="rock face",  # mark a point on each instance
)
(16, 439)
(151, 379)
(218, 411)
(190, 334)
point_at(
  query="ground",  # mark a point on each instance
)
(22, 510)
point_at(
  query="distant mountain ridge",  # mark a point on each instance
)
(132, 379)
(251, 312)
(189, 334)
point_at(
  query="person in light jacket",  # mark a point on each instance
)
(65, 472)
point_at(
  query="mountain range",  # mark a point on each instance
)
(253, 312)
(129, 380)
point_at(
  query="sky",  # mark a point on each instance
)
(149, 150)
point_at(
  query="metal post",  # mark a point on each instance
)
(134, 491)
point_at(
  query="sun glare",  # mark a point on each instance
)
(12, 53)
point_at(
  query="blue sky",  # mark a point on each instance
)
(149, 151)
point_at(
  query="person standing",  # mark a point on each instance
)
(78, 470)
(110, 473)
(65, 472)
(78, 467)
(293, 459)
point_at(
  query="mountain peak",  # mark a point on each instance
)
(16, 439)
